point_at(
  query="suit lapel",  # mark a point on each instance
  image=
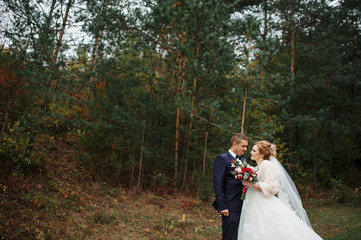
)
(230, 158)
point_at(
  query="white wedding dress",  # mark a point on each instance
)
(266, 217)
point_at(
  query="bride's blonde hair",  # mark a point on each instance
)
(267, 149)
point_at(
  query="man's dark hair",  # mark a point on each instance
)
(238, 137)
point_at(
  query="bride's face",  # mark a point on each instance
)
(255, 154)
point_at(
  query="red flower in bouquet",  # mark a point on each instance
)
(242, 170)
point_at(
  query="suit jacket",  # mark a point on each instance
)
(227, 189)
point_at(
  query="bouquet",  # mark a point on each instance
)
(242, 170)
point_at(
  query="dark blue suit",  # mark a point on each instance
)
(228, 192)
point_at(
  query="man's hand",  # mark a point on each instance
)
(225, 213)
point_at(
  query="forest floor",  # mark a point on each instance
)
(58, 203)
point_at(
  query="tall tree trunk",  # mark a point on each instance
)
(133, 163)
(199, 188)
(292, 48)
(180, 81)
(314, 167)
(176, 145)
(205, 149)
(51, 11)
(244, 108)
(95, 54)
(120, 158)
(156, 163)
(141, 160)
(60, 39)
(291, 125)
(185, 171)
(47, 26)
(206, 138)
(265, 28)
(97, 41)
(189, 137)
(194, 90)
(265, 21)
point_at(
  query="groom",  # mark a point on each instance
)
(228, 190)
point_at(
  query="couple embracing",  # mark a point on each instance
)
(272, 208)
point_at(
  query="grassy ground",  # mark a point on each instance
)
(97, 211)
(335, 221)
(64, 210)
(58, 203)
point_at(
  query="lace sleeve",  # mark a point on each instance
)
(269, 179)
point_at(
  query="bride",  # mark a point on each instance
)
(272, 208)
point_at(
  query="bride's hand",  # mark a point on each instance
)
(251, 184)
(247, 183)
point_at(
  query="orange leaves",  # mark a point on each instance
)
(8, 68)
(100, 86)
(3, 193)
(7, 75)
(177, 4)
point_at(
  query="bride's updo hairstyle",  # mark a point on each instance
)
(267, 149)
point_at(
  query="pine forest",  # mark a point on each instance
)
(106, 101)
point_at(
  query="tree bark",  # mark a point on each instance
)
(141, 160)
(244, 108)
(189, 137)
(291, 125)
(180, 81)
(194, 90)
(176, 144)
(97, 41)
(206, 139)
(205, 149)
(60, 39)
(265, 21)
(292, 49)
(47, 26)
(133, 163)
(314, 168)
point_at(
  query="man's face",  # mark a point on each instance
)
(240, 148)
